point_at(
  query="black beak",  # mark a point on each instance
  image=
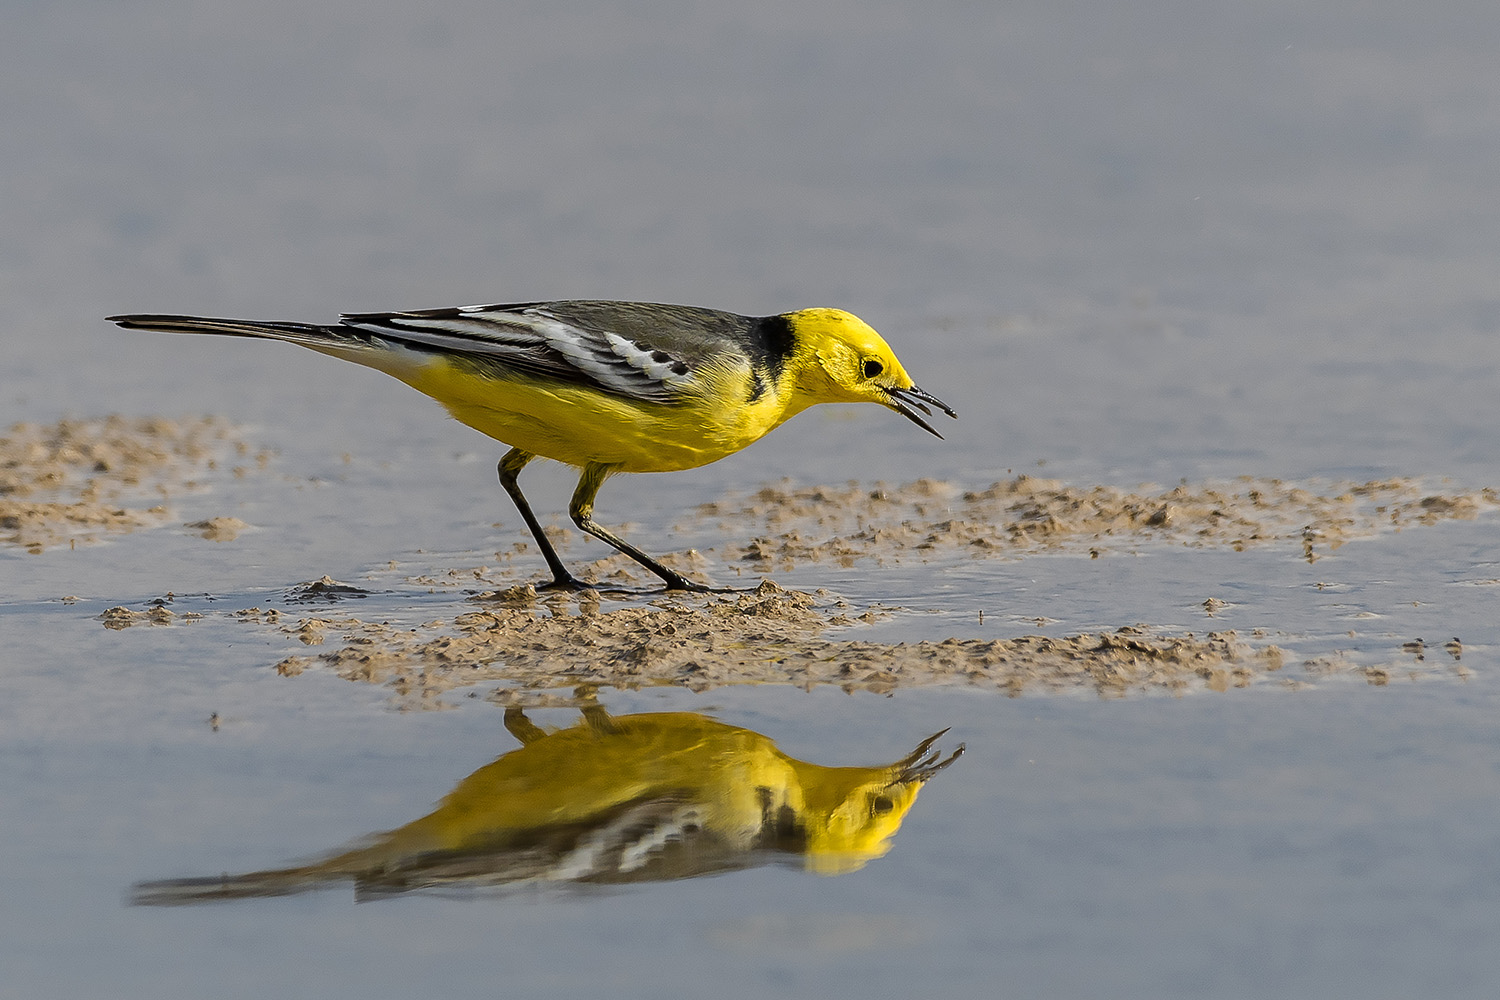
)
(908, 401)
(923, 762)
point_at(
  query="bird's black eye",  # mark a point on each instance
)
(872, 368)
(881, 804)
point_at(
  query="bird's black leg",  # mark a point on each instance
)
(521, 727)
(510, 467)
(581, 510)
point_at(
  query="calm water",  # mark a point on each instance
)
(1129, 245)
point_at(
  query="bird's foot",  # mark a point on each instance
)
(569, 583)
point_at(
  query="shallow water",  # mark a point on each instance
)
(1175, 242)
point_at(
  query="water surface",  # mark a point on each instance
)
(1178, 241)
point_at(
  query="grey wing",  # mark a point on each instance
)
(609, 346)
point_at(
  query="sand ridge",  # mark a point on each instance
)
(527, 645)
(933, 518)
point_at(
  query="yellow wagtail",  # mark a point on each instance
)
(608, 386)
(616, 799)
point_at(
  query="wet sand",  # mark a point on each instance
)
(1027, 514)
(77, 479)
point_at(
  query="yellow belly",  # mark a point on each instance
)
(578, 426)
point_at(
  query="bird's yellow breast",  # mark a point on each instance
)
(575, 775)
(579, 425)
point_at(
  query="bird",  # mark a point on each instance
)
(614, 799)
(607, 386)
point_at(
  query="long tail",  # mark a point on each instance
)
(181, 891)
(341, 340)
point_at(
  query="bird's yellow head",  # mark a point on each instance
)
(853, 812)
(848, 362)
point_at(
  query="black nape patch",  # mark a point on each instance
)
(780, 827)
(775, 342)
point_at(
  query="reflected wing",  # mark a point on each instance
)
(650, 840)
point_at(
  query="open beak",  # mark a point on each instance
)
(908, 401)
(923, 762)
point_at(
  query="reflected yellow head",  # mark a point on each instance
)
(860, 828)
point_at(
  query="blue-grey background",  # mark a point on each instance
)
(1132, 242)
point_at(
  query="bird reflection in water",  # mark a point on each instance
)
(633, 798)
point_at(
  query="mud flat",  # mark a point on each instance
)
(79, 480)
